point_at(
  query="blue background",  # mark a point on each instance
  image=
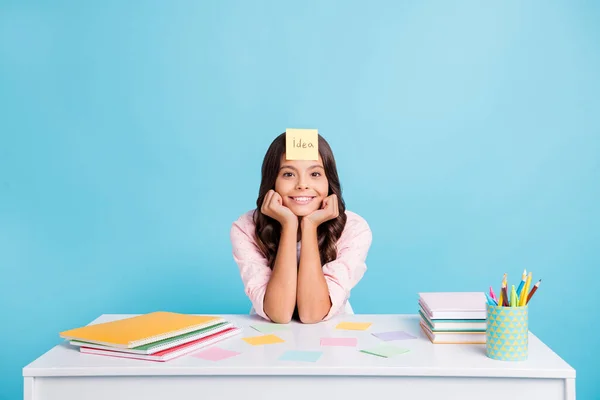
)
(132, 133)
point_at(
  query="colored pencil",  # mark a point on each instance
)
(501, 295)
(513, 297)
(535, 287)
(490, 301)
(523, 279)
(505, 295)
(525, 292)
(492, 295)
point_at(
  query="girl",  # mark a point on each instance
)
(300, 252)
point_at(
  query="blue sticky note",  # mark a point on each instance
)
(297, 355)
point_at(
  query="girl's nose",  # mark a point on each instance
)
(301, 185)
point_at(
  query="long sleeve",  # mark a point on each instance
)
(254, 270)
(343, 273)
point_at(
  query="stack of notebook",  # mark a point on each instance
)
(453, 317)
(157, 336)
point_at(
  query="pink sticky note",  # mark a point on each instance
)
(332, 341)
(215, 354)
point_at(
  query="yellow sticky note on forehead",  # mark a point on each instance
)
(301, 144)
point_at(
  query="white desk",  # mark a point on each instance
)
(428, 371)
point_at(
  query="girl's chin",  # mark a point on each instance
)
(304, 214)
(301, 211)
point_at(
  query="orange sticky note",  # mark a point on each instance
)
(265, 339)
(353, 326)
(301, 144)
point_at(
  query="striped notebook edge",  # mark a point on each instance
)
(170, 354)
(449, 330)
(432, 340)
(173, 334)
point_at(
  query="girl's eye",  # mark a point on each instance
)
(316, 174)
(288, 174)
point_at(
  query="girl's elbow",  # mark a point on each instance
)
(284, 319)
(310, 318)
(279, 318)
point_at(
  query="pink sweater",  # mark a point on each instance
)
(341, 275)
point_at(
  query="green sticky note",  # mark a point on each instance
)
(385, 350)
(270, 328)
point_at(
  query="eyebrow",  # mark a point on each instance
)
(294, 168)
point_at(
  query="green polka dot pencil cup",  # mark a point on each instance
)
(506, 333)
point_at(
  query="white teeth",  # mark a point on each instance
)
(302, 198)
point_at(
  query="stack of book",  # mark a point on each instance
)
(157, 336)
(453, 317)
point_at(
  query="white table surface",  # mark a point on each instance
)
(424, 358)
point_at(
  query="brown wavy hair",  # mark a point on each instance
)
(268, 230)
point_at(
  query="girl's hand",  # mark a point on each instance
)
(274, 208)
(329, 210)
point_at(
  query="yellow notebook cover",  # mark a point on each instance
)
(141, 329)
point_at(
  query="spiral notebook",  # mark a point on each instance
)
(140, 330)
(164, 344)
(171, 353)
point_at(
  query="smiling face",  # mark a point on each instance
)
(302, 185)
